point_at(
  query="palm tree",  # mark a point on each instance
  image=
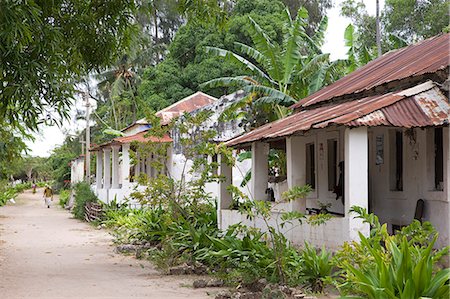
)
(123, 78)
(279, 75)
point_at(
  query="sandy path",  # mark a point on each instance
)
(46, 254)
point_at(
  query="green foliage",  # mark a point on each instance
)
(296, 192)
(64, 196)
(398, 22)
(400, 18)
(12, 146)
(44, 51)
(83, 195)
(399, 266)
(60, 159)
(316, 267)
(285, 257)
(186, 66)
(29, 169)
(400, 271)
(9, 191)
(278, 72)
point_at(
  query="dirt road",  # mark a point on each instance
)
(46, 254)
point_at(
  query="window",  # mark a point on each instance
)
(438, 159)
(396, 160)
(310, 165)
(332, 153)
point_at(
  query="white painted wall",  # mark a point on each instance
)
(77, 170)
(392, 207)
(398, 207)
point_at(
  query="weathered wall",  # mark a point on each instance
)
(392, 207)
(77, 170)
(398, 207)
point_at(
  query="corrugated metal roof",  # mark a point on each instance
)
(427, 56)
(188, 104)
(419, 106)
(139, 137)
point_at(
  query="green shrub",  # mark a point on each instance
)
(83, 195)
(399, 266)
(22, 186)
(64, 196)
(316, 267)
(399, 271)
(8, 191)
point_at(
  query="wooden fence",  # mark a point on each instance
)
(92, 211)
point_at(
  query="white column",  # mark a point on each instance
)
(148, 168)
(225, 171)
(356, 178)
(446, 142)
(106, 168)
(296, 170)
(99, 170)
(115, 166)
(125, 164)
(225, 197)
(169, 160)
(142, 162)
(260, 170)
(137, 166)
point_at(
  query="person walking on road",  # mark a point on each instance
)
(48, 195)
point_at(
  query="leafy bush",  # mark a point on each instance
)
(400, 271)
(400, 266)
(64, 196)
(8, 191)
(83, 195)
(316, 267)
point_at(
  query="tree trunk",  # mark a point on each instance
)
(378, 28)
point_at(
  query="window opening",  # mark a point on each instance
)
(310, 165)
(438, 159)
(332, 163)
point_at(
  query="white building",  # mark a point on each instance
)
(386, 124)
(116, 170)
(77, 170)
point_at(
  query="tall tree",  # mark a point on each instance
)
(399, 23)
(414, 20)
(280, 74)
(316, 11)
(46, 46)
(186, 65)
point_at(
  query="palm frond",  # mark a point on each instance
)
(236, 58)
(318, 79)
(319, 36)
(264, 44)
(313, 65)
(236, 109)
(117, 87)
(229, 81)
(270, 95)
(292, 53)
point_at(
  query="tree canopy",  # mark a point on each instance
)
(46, 46)
(402, 21)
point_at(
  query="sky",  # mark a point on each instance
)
(51, 137)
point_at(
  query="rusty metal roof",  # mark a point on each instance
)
(419, 106)
(139, 137)
(428, 56)
(188, 104)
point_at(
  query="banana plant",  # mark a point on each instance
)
(279, 75)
